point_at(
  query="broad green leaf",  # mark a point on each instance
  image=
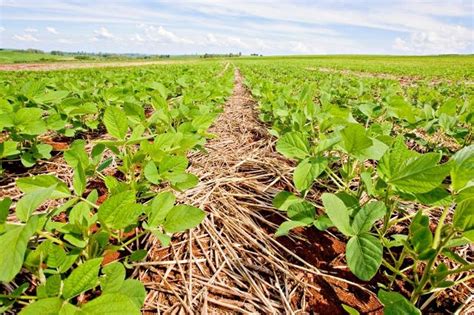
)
(49, 306)
(293, 145)
(396, 304)
(421, 236)
(8, 148)
(183, 181)
(173, 165)
(284, 199)
(31, 201)
(183, 217)
(4, 210)
(14, 244)
(113, 277)
(160, 206)
(354, 139)
(34, 183)
(338, 213)
(307, 171)
(77, 154)
(135, 291)
(151, 173)
(116, 123)
(111, 304)
(399, 108)
(50, 97)
(364, 255)
(463, 168)
(302, 212)
(412, 173)
(287, 226)
(83, 278)
(79, 180)
(120, 210)
(51, 288)
(464, 215)
(367, 215)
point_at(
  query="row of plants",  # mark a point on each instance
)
(38, 108)
(69, 249)
(349, 138)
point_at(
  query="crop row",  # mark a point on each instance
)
(127, 133)
(367, 165)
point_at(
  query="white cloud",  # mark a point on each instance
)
(2, 29)
(52, 30)
(161, 35)
(137, 38)
(211, 38)
(103, 33)
(25, 38)
(449, 40)
(66, 41)
(31, 30)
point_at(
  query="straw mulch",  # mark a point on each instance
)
(231, 263)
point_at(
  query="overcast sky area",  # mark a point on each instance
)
(258, 26)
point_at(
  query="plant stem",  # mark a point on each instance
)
(437, 236)
(23, 297)
(51, 238)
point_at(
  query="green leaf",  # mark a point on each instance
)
(463, 169)
(113, 277)
(4, 210)
(287, 226)
(83, 278)
(49, 306)
(111, 304)
(120, 210)
(464, 215)
(303, 212)
(396, 304)
(51, 288)
(307, 171)
(14, 244)
(135, 291)
(367, 215)
(151, 173)
(50, 97)
(293, 145)
(338, 213)
(421, 236)
(364, 255)
(350, 310)
(354, 139)
(33, 183)
(284, 199)
(160, 206)
(412, 172)
(183, 217)
(8, 148)
(79, 180)
(116, 123)
(31, 201)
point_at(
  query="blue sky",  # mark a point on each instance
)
(258, 26)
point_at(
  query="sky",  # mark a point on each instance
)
(408, 27)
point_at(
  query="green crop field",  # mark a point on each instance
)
(12, 56)
(94, 164)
